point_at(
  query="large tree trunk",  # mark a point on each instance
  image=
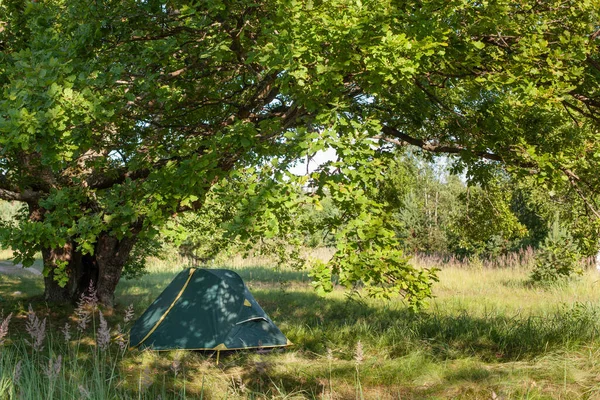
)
(68, 274)
(57, 290)
(101, 270)
(111, 256)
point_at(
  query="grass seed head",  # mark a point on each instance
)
(146, 378)
(359, 355)
(83, 392)
(17, 373)
(90, 296)
(54, 367)
(103, 337)
(82, 315)
(66, 331)
(4, 329)
(238, 384)
(129, 314)
(121, 338)
(176, 366)
(36, 329)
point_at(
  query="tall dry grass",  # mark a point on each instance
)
(518, 260)
(522, 259)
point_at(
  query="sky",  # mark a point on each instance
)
(319, 158)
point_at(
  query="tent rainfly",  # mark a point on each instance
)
(205, 309)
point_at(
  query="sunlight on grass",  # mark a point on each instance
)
(486, 331)
(5, 254)
(508, 291)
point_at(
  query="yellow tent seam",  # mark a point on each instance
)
(234, 348)
(162, 318)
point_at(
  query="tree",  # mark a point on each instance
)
(116, 115)
(423, 196)
(558, 258)
(119, 116)
(485, 224)
(439, 213)
(504, 82)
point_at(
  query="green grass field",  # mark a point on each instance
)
(486, 335)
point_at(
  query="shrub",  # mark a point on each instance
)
(558, 258)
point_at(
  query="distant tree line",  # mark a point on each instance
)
(433, 210)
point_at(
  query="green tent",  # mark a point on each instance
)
(206, 309)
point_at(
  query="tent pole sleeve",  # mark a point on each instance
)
(162, 318)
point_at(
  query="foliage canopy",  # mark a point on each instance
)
(116, 115)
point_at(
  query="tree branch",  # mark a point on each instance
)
(105, 180)
(435, 100)
(593, 63)
(436, 148)
(10, 193)
(587, 100)
(573, 179)
(444, 149)
(10, 196)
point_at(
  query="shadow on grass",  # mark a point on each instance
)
(314, 322)
(530, 284)
(380, 378)
(270, 275)
(20, 287)
(471, 373)
(262, 377)
(517, 283)
(143, 291)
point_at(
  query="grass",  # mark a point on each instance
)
(5, 254)
(487, 334)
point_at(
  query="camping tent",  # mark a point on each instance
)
(205, 309)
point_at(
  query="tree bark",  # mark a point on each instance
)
(53, 291)
(101, 270)
(111, 256)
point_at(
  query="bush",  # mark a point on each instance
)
(558, 258)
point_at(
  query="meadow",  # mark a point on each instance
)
(487, 334)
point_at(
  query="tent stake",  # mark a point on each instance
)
(218, 354)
